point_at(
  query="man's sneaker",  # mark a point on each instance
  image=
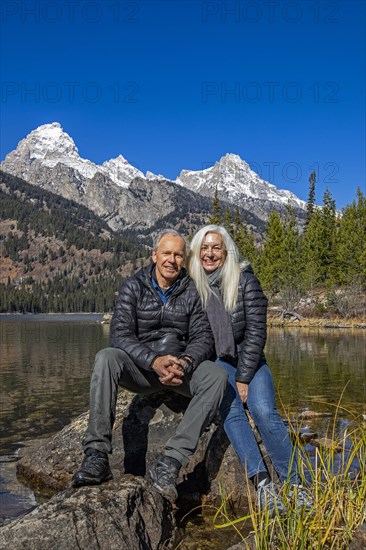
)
(301, 497)
(164, 475)
(268, 499)
(93, 470)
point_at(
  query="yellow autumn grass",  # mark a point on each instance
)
(339, 499)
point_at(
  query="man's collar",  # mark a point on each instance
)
(155, 283)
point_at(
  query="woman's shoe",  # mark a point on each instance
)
(268, 498)
(301, 497)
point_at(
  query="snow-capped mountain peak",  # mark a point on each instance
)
(49, 145)
(235, 181)
(49, 140)
(120, 171)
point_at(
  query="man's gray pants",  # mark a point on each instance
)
(206, 386)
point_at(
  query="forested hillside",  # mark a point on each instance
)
(57, 255)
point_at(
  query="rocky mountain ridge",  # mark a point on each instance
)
(237, 183)
(127, 199)
(49, 145)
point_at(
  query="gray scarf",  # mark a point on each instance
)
(220, 320)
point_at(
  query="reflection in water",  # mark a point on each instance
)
(315, 369)
(322, 372)
(14, 497)
(45, 365)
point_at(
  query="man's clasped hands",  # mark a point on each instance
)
(170, 369)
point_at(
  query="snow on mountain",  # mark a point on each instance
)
(120, 171)
(49, 141)
(151, 176)
(49, 145)
(235, 181)
(48, 157)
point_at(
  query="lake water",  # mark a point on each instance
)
(45, 365)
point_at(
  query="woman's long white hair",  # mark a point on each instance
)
(230, 271)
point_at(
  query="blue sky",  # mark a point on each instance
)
(175, 85)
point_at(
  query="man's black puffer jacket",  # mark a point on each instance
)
(145, 328)
(249, 325)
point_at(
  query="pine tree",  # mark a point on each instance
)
(228, 221)
(237, 221)
(272, 254)
(310, 205)
(312, 253)
(244, 240)
(320, 244)
(351, 242)
(216, 209)
(328, 239)
(291, 274)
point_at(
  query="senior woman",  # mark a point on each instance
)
(237, 308)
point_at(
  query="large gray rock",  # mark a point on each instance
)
(122, 515)
(143, 424)
(125, 513)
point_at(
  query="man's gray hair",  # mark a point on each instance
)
(162, 234)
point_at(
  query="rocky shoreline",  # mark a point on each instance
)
(127, 513)
(294, 321)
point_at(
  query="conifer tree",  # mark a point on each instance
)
(244, 240)
(216, 209)
(228, 221)
(328, 239)
(312, 253)
(351, 242)
(237, 220)
(320, 243)
(310, 205)
(271, 261)
(291, 274)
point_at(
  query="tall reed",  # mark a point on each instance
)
(337, 480)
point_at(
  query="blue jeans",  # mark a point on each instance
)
(262, 407)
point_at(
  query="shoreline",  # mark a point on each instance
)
(273, 321)
(28, 313)
(317, 323)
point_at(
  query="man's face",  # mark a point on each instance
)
(169, 258)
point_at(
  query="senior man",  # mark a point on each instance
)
(160, 339)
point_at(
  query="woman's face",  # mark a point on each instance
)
(213, 253)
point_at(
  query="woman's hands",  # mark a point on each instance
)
(242, 391)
